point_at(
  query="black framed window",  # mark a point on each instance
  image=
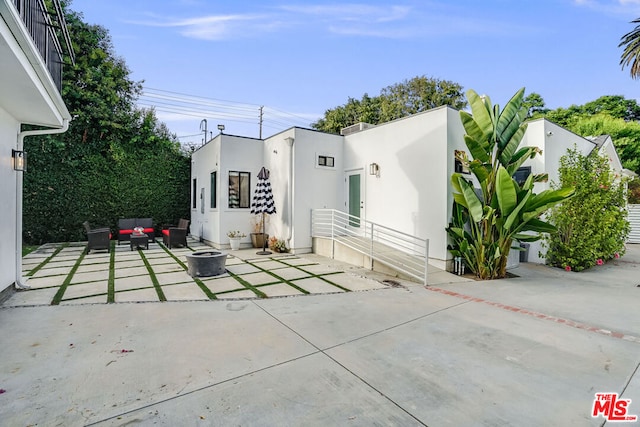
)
(239, 189)
(522, 174)
(458, 166)
(194, 192)
(214, 185)
(326, 161)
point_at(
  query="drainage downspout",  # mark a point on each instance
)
(19, 179)
(290, 140)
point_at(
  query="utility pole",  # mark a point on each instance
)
(261, 111)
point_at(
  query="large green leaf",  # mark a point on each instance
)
(479, 149)
(526, 237)
(508, 150)
(481, 110)
(519, 157)
(539, 226)
(480, 170)
(509, 120)
(506, 192)
(547, 199)
(513, 216)
(471, 199)
(471, 127)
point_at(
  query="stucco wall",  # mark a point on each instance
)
(314, 187)
(415, 155)
(8, 135)
(223, 154)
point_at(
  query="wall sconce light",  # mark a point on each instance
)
(220, 128)
(19, 160)
(374, 169)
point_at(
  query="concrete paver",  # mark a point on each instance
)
(125, 283)
(315, 285)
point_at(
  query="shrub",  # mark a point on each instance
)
(592, 226)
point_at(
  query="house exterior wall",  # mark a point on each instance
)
(28, 95)
(416, 158)
(8, 131)
(413, 192)
(222, 154)
(314, 186)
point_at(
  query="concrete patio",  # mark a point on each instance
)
(65, 273)
(526, 351)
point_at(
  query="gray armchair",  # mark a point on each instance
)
(99, 238)
(176, 235)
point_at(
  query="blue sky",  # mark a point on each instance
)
(300, 58)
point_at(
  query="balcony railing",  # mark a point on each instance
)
(42, 29)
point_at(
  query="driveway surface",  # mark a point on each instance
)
(531, 350)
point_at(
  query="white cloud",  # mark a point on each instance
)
(349, 19)
(352, 12)
(217, 27)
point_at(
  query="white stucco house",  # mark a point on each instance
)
(30, 82)
(410, 192)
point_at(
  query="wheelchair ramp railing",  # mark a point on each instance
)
(397, 250)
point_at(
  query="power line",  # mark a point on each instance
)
(184, 104)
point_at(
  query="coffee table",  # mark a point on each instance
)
(138, 241)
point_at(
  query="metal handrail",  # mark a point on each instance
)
(401, 251)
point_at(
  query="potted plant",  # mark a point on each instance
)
(234, 239)
(278, 245)
(258, 237)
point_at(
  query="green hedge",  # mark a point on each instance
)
(64, 187)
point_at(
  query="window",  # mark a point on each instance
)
(239, 189)
(214, 199)
(458, 166)
(194, 192)
(326, 161)
(522, 174)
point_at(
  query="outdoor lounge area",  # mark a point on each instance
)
(64, 274)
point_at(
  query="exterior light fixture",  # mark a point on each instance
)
(220, 128)
(374, 169)
(19, 160)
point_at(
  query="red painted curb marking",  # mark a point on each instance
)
(539, 315)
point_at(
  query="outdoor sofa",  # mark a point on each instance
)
(176, 235)
(126, 226)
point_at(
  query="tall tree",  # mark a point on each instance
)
(611, 115)
(419, 94)
(631, 53)
(399, 100)
(533, 104)
(114, 161)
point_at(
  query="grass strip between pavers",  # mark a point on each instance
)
(293, 285)
(199, 282)
(248, 285)
(323, 277)
(46, 260)
(111, 284)
(154, 279)
(278, 278)
(58, 296)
